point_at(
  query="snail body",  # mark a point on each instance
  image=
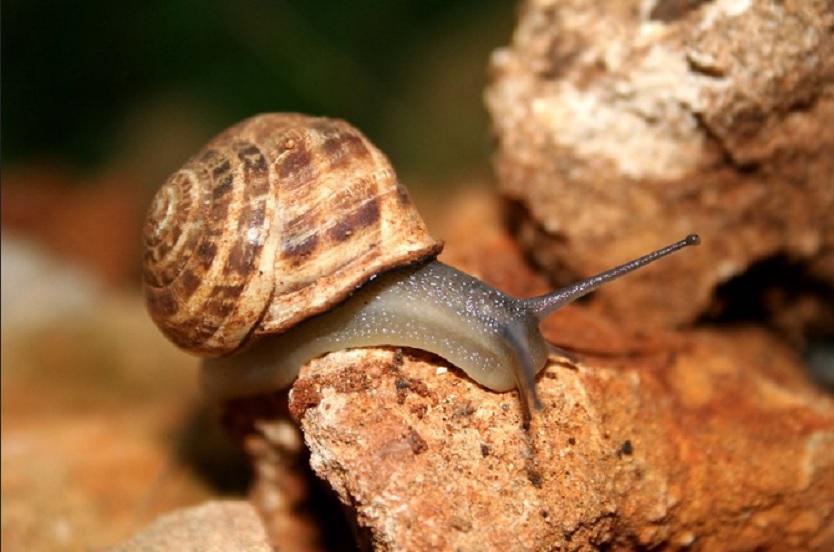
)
(289, 236)
(434, 307)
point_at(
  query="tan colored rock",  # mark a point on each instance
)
(283, 489)
(218, 526)
(623, 125)
(716, 441)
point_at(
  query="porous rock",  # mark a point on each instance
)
(283, 490)
(714, 438)
(623, 125)
(217, 526)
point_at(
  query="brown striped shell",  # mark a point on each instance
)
(278, 218)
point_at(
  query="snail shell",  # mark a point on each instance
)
(275, 220)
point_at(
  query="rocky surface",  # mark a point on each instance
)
(625, 125)
(714, 439)
(284, 491)
(217, 526)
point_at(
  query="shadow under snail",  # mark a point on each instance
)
(289, 236)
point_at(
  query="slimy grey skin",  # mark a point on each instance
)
(493, 337)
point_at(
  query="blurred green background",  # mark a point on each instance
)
(139, 85)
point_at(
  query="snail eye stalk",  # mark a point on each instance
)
(543, 305)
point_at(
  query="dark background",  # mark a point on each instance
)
(138, 84)
(101, 100)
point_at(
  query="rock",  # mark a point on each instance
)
(714, 438)
(216, 526)
(625, 125)
(284, 490)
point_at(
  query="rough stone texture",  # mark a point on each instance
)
(284, 488)
(623, 125)
(218, 526)
(713, 440)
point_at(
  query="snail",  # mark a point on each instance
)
(289, 236)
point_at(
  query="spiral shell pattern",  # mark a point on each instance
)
(278, 218)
